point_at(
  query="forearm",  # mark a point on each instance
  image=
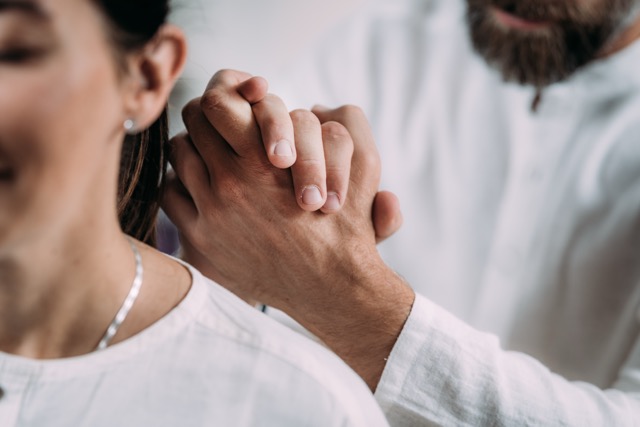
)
(444, 372)
(363, 323)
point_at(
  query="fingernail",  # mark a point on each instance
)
(283, 149)
(319, 107)
(333, 201)
(311, 195)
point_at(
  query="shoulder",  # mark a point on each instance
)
(281, 361)
(225, 315)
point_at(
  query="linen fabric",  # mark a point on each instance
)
(212, 361)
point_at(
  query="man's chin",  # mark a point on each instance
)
(538, 47)
(514, 72)
(526, 60)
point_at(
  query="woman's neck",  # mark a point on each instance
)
(59, 294)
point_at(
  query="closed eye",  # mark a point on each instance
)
(18, 55)
(29, 7)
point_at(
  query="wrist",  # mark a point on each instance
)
(359, 313)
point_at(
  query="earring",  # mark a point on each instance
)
(130, 126)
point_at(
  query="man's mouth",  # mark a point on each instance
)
(509, 19)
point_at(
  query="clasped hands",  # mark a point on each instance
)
(283, 208)
(232, 184)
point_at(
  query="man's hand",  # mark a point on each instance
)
(238, 217)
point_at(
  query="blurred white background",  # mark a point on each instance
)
(258, 36)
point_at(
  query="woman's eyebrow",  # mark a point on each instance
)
(26, 6)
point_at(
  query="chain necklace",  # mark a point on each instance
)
(128, 302)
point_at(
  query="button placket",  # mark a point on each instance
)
(535, 156)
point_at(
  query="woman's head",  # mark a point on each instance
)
(71, 73)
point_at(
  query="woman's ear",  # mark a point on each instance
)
(152, 74)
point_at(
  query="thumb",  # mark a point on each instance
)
(386, 215)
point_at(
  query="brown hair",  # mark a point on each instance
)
(140, 184)
(131, 25)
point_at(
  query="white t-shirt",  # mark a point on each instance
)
(212, 361)
(525, 225)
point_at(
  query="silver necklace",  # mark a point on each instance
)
(128, 302)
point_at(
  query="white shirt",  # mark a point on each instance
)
(524, 225)
(212, 361)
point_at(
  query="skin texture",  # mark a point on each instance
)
(63, 101)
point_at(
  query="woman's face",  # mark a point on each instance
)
(61, 115)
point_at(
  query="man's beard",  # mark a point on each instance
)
(574, 37)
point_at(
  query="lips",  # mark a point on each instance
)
(514, 21)
(533, 11)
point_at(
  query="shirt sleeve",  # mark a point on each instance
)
(443, 372)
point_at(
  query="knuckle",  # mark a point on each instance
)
(338, 166)
(221, 76)
(171, 152)
(304, 118)
(369, 159)
(310, 171)
(311, 165)
(213, 100)
(335, 130)
(350, 110)
(273, 99)
(336, 133)
(337, 177)
(191, 109)
(171, 145)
